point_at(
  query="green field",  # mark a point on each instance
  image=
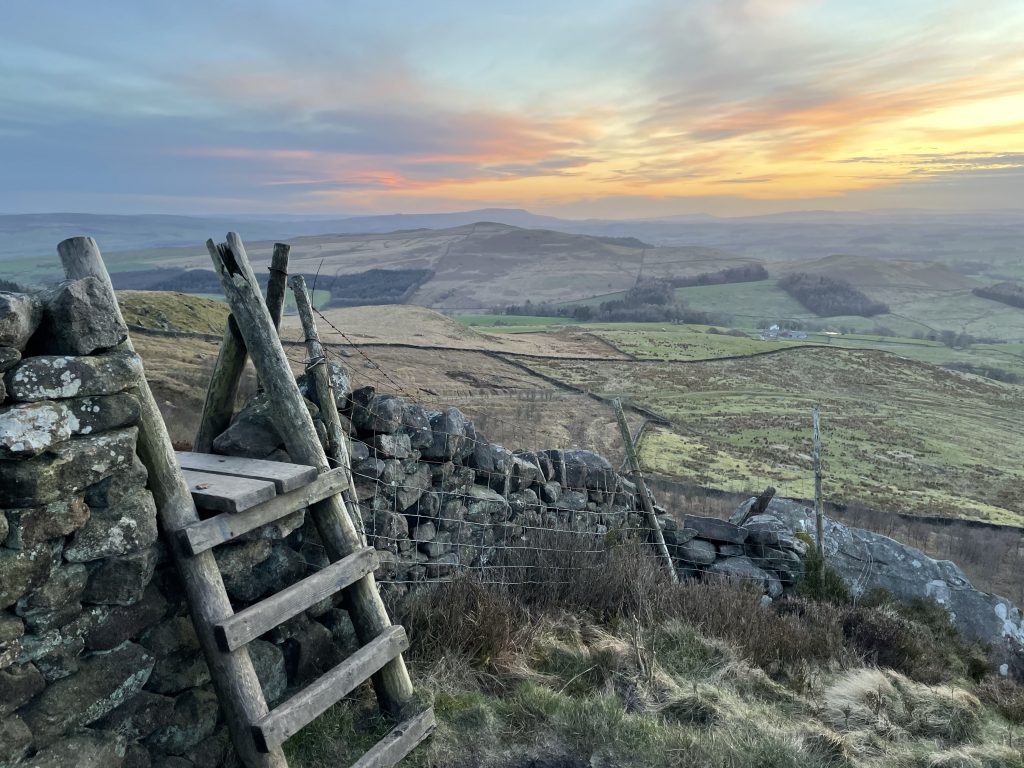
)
(899, 434)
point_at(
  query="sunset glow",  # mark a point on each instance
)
(584, 109)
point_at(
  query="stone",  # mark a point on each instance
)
(412, 487)
(60, 377)
(416, 424)
(310, 652)
(550, 492)
(115, 487)
(78, 319)
(120, 580)
(449, 440)
(54, 652)
(251, 434)
(104, 682)
(574, 501)
(34, 526)
(373, 413)
(280, 529)
(583, 470)
(212, 752)
(282, 567)
(679, 535)
(15, 739)
(175, 634)
(740, 568)
(103, 413)
(424, 532)
(9, 357)
(731, 550)
(713, 529)
(139, 716)
(268, 659)
(194, 718)
(442, 566)
(524, 473)
(484, 505)
(178, 672)
(42, 608)
(20, 315)
(23, 570)
(127, 527)
(68, 468)
(82, 749)
(19, 684)
(696, 552)
(136, 756)
(28, 429)
(341, 384)
(114, 624)
(12, 629)
(397, 446)
(440, 545)
(386, 529)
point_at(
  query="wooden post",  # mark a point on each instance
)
(318, 375)
(227, 371)
(340, 538)
(233, 675)
(819, 514)
(641, 487)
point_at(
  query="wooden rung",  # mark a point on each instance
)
(223, 493)
(308, 704)
(207, 534)
(248, 624)
(399, 741)
(285, 477)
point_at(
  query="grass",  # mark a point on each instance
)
(898, 434)
(705, 678)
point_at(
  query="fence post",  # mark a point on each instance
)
(819, 514)
(641, 487)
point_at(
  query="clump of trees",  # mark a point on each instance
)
(829, 296)
(1006, 293)
(750, 273)
(9, 285)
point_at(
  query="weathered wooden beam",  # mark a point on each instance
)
(285, 477)
(224, 493)
(339, 536)
(219, 406)
(641, 488)
(248, 624)
(234, 678)
(399, 741)
(207, 534)
(311, 702)
(319, 374)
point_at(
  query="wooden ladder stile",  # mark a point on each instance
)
(247, 494)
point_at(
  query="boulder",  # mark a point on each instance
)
(280, 568)
(112, 489)
(583, 470)
(449, 436)
(442, 566)
(35, 525)
(341, 384)
(112, 625)
(15, 739)
(550, 492)
(573, 501)
(9, 357)
(20, 315)
(679, 535)
(412, 486)
(77, 319)
(19, 684)
(268, 659)
(716, 530)
(104, 681)
(82, 749)
(28, 429)
(696, 552)
(373, 413)
(50, 377)
(126, 527)
(193, 719)
(484, 505)
(68, 468)
(416, 424)
(44, 608)
(251, 434)
(139, 716)
(120, 580)
(397, 446)
(741, 568)
(12, 629)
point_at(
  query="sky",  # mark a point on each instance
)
(603, 108)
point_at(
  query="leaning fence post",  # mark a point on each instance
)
(819, 514)
(318, 376)
(641, 487)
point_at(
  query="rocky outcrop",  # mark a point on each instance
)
(868, 561)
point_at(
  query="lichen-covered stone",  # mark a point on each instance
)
(23, 570)
(68, 468)
(103, 413)
(9, 357)
(120, 580)
(15, 739)
(28, 429)
(20, 315)
(126, 527)
(373, 413)
(111, 625)
(58, 377)
(56, 602)
(78, 319)
(713, 529)
(139, 716)
(103, 682)
(268, 660)
(194, 719)
(115, 487)
(35, 525)
(449, 440)
(19, 684)
(82, 749)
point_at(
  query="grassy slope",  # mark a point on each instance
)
(899, 434)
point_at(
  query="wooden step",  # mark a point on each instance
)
(308, 704)
(223, 493)
(399, 742)
(285, 477)
(206, 534)
(246, 625)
